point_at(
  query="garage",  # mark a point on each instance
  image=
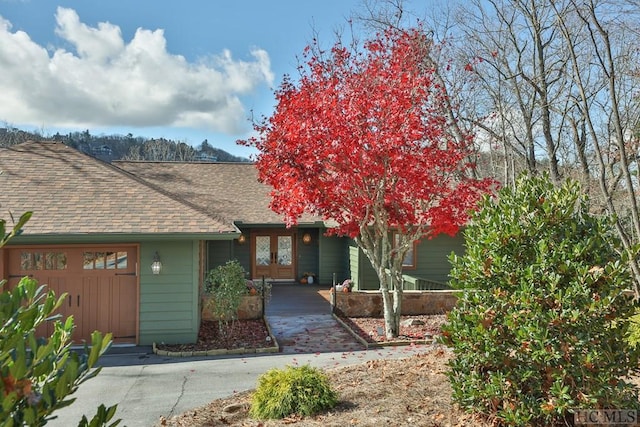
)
(101, 283)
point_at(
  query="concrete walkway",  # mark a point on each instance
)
(146, 386)
(300, 318)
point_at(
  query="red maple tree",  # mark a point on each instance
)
(362, 140)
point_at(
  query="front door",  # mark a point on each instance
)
(273, 255)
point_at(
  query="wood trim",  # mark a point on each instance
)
(273, 232)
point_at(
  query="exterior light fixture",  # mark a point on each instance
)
(306, 238)
(156, 266)
(242, 239)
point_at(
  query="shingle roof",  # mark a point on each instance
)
(230, 191)
(72, 193)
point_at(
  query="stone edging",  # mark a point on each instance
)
(369, 345)
(223, 352)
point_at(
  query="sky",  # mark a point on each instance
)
(186, 70)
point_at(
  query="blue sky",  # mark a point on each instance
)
(188, 70)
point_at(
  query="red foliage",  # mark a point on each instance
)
(363, 137)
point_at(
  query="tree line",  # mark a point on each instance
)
(124, 147)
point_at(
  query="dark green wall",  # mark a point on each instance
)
(433, 257)
(308, 254)
(432, 262)
(333, 259)
(219, 252)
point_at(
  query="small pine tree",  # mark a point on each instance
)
(540, 328)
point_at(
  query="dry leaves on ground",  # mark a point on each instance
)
(403, 392)
(416, 328)
(252, 334)
(238, 334)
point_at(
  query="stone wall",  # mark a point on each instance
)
(250, 308)
(369, 303)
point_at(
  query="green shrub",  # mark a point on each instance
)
(37, 375)
(633, 336)
(226, 284)
(302, 390)
(540, 328)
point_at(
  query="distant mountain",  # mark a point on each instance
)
(125, 147)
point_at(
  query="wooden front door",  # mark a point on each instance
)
(100, 282)
(273, 255)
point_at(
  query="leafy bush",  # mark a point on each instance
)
(226, 284)
(302, 390)
(540, 328)
(634, 330)
(38, 374)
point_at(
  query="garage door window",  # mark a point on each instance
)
(38, 260)
(105, 260)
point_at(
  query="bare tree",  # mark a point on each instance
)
(545, 86)
(610, 125)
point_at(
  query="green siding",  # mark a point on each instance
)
(219, 252)
(334, 259)
(433, 257)
(367, 276)
(363, 275)
(308, 255)
(169, 302)
(432, 262)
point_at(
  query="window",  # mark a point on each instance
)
(410, 257)
(39, 260)
(104, 260)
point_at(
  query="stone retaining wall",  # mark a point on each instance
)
(250, 308)
(369, 303)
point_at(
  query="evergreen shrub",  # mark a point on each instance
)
(540, 327)
(294, 390)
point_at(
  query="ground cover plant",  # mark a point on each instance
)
(542, 324)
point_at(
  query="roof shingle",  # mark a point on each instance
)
(229, 191)
(72, 193)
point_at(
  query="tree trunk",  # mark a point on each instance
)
(391, 304)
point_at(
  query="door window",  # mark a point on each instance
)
(263, 250)
(284, 250)
(104, 260)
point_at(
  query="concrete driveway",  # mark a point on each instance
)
(146, 386)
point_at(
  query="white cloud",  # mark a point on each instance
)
(105, 81)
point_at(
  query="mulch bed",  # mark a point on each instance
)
(252, 334)
(239, 334)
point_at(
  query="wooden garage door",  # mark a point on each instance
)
(100, 282)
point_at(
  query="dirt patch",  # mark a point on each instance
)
(404, 392)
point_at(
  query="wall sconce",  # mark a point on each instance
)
(306, 238)
(242, 239)
(156, 266)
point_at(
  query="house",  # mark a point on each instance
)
(97, 228)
